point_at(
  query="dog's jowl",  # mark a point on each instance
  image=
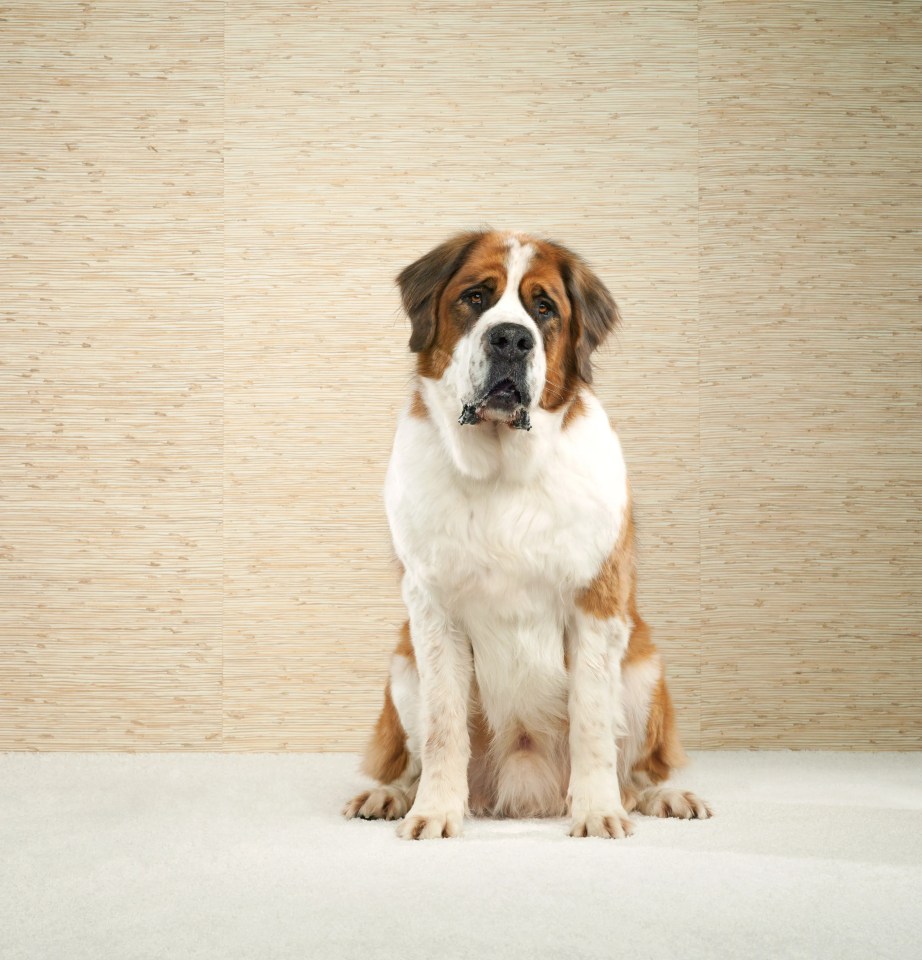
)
(525, 682)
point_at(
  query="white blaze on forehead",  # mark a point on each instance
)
(518, 258)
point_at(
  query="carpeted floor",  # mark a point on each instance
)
(105, 857)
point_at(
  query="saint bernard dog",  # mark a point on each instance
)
(524, 683)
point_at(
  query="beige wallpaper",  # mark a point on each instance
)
(810, 209)
(202, 354)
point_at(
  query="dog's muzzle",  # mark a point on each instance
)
(505, 395)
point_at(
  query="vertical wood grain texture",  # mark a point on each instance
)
(811, 395)
(203, 355)
(110, 376)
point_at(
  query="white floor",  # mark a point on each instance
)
(166, 856)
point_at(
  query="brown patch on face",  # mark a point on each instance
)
(430, 288)
(594, 311)
(584, 311)
(434, 362)
(484, 263)
(386, 755)
(544, 283)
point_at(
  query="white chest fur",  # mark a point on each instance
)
(503, 551)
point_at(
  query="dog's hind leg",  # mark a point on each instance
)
(651, 747)
(393, 754)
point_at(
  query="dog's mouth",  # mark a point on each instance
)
(503, 395)
(505, 401)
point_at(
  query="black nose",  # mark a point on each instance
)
(510, 341)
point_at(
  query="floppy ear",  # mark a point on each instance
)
(422, 282)
(594, 311)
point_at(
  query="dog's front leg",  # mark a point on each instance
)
(595, 649)
(445, 663)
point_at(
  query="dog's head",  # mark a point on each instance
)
(506, 322)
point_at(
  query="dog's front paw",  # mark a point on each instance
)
(613, 825)
(430, 825)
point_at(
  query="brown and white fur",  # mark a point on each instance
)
(525, 682)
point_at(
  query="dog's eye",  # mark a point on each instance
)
(473, 297)
(545, 308)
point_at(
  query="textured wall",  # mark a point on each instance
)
(811, 375)
(110, 376)
(202, 352)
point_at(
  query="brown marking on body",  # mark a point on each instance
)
(609, 594)
(405, 643)
(640, 645)
(576, 410)
(418, 406)
(662, 749)
(386, 755)
(613, 593)
(481, 775)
